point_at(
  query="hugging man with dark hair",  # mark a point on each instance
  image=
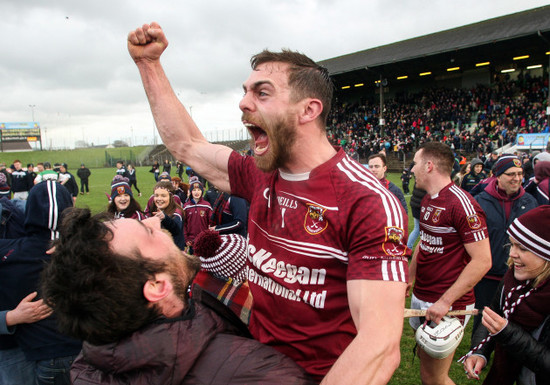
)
(121, 286)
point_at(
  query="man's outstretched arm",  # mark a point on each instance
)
(178, 131)
(373, 355)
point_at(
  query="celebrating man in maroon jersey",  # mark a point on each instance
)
(453, 253)
(327, 242)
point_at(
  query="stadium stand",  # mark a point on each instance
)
(473, 87)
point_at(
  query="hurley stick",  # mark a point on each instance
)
(421, 313)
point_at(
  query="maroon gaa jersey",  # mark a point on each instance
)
(448, 220)
(309, 234)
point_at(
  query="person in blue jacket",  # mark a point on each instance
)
(229, 215)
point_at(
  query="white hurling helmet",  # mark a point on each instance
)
(438, 341)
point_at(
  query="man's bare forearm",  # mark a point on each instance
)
(178, 131)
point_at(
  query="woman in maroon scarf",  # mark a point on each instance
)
(517, 325)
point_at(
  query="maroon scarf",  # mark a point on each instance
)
(217, 210)
(526, 307)
(506, 201)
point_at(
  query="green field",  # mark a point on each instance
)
(92, 157)
(408, 371)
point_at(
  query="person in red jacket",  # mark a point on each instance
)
(197, 212)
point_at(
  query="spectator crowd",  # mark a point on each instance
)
(477, 120)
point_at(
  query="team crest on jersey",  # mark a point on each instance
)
(315, 221)
(203, 213)
(474, 222)
(393, 244)
(437, 215)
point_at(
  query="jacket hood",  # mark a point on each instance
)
(45, 203)
(542, 170)
(542, 157)
(475, 162)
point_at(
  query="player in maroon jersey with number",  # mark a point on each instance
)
(327, 262)
(453, 253)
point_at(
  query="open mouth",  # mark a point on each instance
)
(259, 137)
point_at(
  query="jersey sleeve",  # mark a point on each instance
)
(470, 221)
(377, 239)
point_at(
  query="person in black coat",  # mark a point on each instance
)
(84, 173)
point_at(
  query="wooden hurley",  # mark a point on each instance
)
(421, 313)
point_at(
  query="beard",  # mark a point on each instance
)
(281, 133)
(183, 262)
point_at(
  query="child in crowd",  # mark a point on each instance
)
(197, 211)
(123, 204)
(181, 189)
(169, 212)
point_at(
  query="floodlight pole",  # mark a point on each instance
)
(32, 110)
(381, 115)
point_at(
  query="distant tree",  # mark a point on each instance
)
(120, 143)
(81, 144)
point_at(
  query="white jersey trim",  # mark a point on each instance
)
(393, 269)
(305, 248)
(439, 229)
(468, 207)
(359, 174)
(294, 177)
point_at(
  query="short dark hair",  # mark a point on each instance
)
(440, 154)
(381, 156)
(306, 78)
(97, 294)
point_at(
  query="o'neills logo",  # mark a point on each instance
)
(474, 222)
(393, 245)
(315, 221)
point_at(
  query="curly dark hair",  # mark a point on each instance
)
(97, 295)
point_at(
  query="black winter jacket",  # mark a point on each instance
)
(531, 353)
(416, 201)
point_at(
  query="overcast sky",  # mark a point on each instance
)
(68, 58)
